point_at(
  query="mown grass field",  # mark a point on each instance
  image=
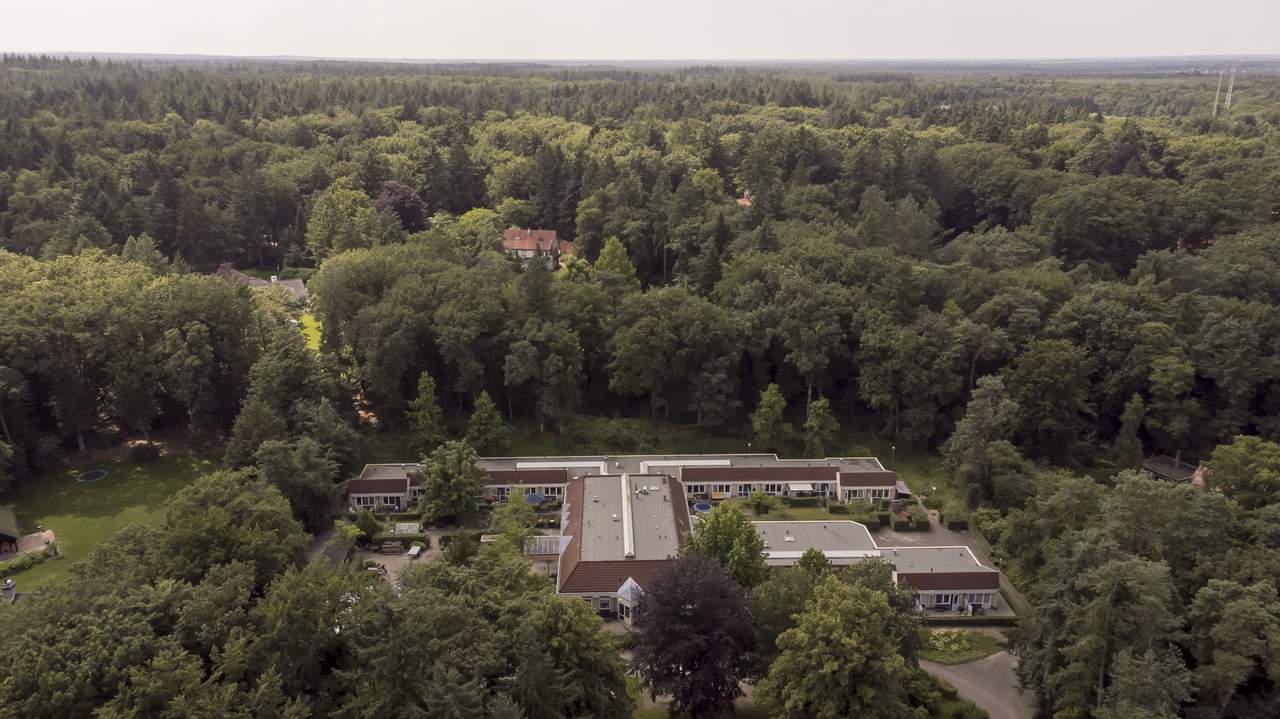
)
(959, 646)
(82, 516)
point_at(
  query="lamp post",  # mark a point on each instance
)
(893, 454)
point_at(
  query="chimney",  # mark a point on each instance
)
(1177, 458)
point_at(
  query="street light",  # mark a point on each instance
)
(893, 454)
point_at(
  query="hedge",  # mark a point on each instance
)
(873, 523)
(981, 620)
(405, 516)
(447, 539)
(902, 525)
(805, 501)
(404, 539)
(954, 525)
(838, 509)
(886, 519)
(26, 561)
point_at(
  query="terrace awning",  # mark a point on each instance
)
(800, 486)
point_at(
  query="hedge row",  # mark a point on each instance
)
(405, 539)
(981, 620)
(26, 561)
(806, 501)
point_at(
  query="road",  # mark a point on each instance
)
(990, 683)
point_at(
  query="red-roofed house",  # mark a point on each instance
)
(527, 244)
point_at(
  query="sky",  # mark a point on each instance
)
(645, 29)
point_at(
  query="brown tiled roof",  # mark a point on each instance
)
(378, 486)
(528, 476)
(702, 475)
(519, 238)
(597, 577)
(868, 479)
(952, 580)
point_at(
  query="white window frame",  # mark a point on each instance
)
(744, 490)
(696, 489)
(722, 488)
(774, 489)
(364, 501)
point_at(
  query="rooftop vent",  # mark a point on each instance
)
(790, 539)
(595, 498)
(615, 517)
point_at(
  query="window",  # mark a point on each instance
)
(604, 603)
(553, 491)
(773, 489)
(940, 599)
(502, 493)
(721, 488)
(851, 494)
(744, 490)
(697, 489)
(981, 599)
(365, 501)
(879, 494)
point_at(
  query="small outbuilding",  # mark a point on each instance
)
(9, 533)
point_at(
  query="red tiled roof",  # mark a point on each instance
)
(743, 201)
(701, 475)
(518, 238)
(528, 476)
(378, 486)
(952, 580)
(868, 479)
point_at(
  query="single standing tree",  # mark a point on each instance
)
(695, 636)
(1127, 450)
(1247, 470)
(426, 420)
(767, 422)
(836, 661)
(729, 538)
(451, 481)
(256, 423)
(485, 430)
(820, 429)
(761, 503)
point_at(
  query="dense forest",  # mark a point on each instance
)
(1044, 277)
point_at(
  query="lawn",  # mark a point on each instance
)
(781, 512)
(311, 330)
(959, 646)
(82, 516)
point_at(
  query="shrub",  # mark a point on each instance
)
(369, 525)
(885, 518)
(873, 523)
(805, 501)
(933, 502)
(405, 516)
(955, 525)
(28, 560)
(142, 453)
(838, 509)
(902, 525)
(381, 537)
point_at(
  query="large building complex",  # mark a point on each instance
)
(625, 517)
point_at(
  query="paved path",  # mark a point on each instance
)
(990, 683)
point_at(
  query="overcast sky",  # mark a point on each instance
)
(646, 29)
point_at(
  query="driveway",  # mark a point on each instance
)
(990, 683)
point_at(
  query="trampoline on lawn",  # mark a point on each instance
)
(92, 476)
(702, 507)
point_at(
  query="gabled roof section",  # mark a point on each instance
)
(9, 524)
(378, 486)
(528, 240)
(868, 479)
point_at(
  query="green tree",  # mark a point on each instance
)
(728, 537)
(768, 424)
(836, 661)
(761, 503)
(615, 271)
(1126, 451)
(257, 422)
(426, 418)
(485, 430)
(451, 481)
(229, 517)
(1050, 383)
(821, 429)
(1247, 470)
(694, 637)
(304, 474)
